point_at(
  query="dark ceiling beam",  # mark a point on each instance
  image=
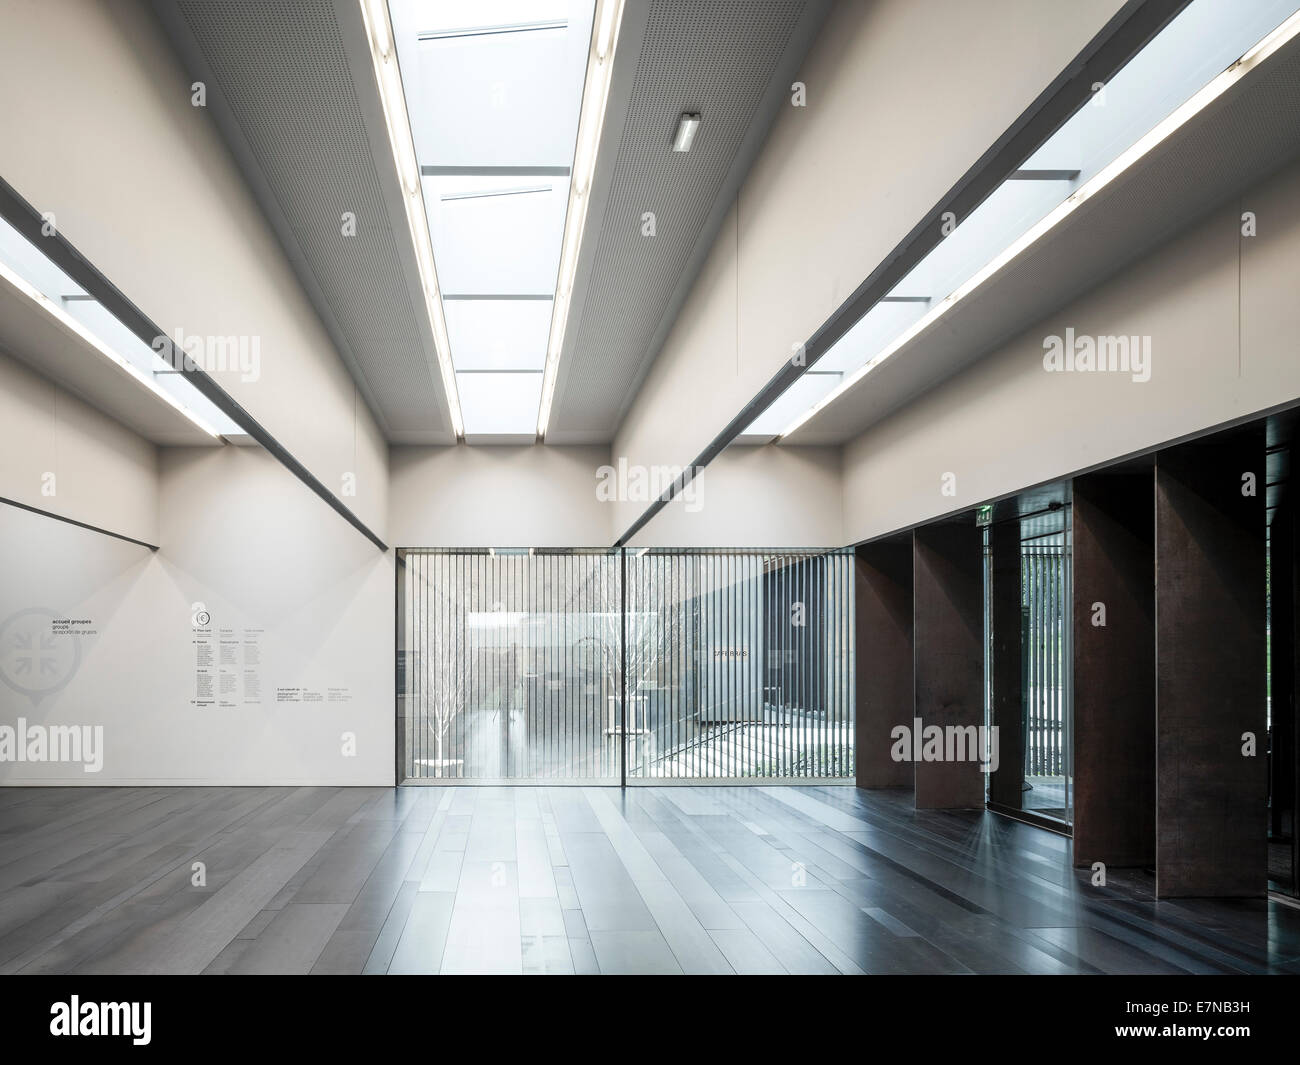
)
(79, 524)
(1043, 175)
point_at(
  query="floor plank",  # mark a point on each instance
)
(562, 880)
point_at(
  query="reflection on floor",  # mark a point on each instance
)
(657, 879)
(1279, 867)
(1045, 795)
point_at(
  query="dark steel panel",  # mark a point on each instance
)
(948, 603)
(1210, 667)
(1114, 670)
(884, 659)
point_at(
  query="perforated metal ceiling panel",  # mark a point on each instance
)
(732, 64)
(290, 85)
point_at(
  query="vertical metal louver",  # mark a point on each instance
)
(604, 667)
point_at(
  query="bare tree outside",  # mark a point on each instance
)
(446, 666)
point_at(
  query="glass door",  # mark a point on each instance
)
(1029, 659)
(609, 667)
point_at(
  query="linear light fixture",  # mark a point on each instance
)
(687, 126)
(595, 95)
(383, 51)
(1181, 115)
(68, 322)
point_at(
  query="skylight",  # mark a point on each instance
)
(494, 91)
(1184, 59)
(26, 267)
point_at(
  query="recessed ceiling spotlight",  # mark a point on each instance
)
(687, 126)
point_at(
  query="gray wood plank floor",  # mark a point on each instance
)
(578, 880)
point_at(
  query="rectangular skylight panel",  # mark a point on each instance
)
(870, 334)
(96, 317)
(1203, 40)
(499, 404)
(21, 256)
(459, 16)
(494, 91)
(504, 90)
(498, 334)
(1011, 209)
(497, 235)
(801, 395)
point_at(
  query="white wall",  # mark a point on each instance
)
(903, 97)
(547, 497)
(98, 128)
(1006, 424)
(756, 497)
(242, 537)
(103, 474)
(139, 180)
(497, 497)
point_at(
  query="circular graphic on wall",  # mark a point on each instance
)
(33, 661)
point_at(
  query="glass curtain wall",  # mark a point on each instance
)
(508, 666)
(740, 665)
(612, 667)
(1046, 663)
